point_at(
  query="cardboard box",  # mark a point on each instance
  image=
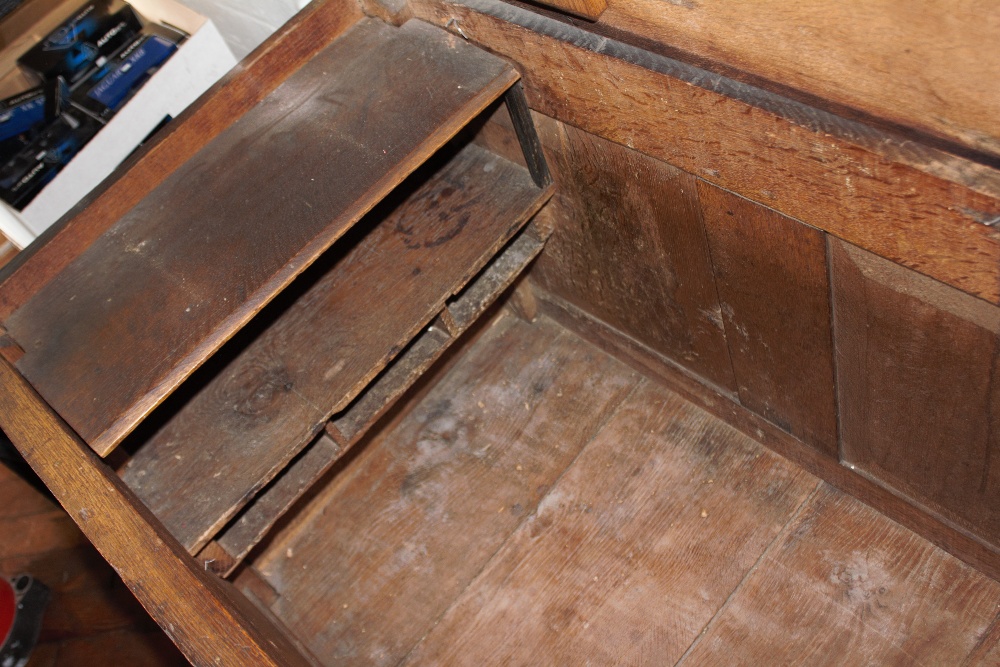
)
(199, 62)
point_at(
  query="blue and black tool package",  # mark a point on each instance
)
(23, 176)
(112, 84)
(98, 29)
(24, 113)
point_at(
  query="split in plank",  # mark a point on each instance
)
(233, 544)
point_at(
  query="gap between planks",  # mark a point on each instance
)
(778, 540)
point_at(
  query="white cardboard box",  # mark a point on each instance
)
(199, 62)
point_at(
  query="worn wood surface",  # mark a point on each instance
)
(659, 528)
(522, 301)
(919, 382)
(370, 300)
(633, 551)
(473, 301)
(254, 78)
(347, 428)
(206, 618)
(931, 525)
(223, 554)
(987, 651)
(925, 70)
(771, 273)
(632, 250)
(845, 585)
(352, 423)
(417, 514)
(527, 137)
(588, 9)
(179, 274)
(918, 207)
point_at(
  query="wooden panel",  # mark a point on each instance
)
(926, 70)
(847, 586)
(633, 551)
(919, 383)
(631, 249)
(195, 260)
(224, 554)
(588, 9)
(916, 206)
(346, 429)
(930, 525)
(420, 512)
(348, 426)
(257, 75)
(207, 619)
(372, 298)
(771, 274)
(466, 307)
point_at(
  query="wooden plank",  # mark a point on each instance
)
(207, 619)
(987, 652)
(422, 509)
(918, 366)
(235, 542)
(632, 249)
(588, 9)
(353, 422)
(771, 274)
(258, 74)
(926, 72)
(848, 585)
(479, 295)
(352, 314)
(182, 271)
(914, 205)
(917, 517)
(527, 138)
(633, 551)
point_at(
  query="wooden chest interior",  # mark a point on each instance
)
(364, 360)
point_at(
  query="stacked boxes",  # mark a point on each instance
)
(88, 68)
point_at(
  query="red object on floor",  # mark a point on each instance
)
(8, 609)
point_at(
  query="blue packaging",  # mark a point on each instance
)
(28, 111)
(111, 85)
(71, 50)
(24, 176)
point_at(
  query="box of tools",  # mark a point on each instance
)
(83, 89)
